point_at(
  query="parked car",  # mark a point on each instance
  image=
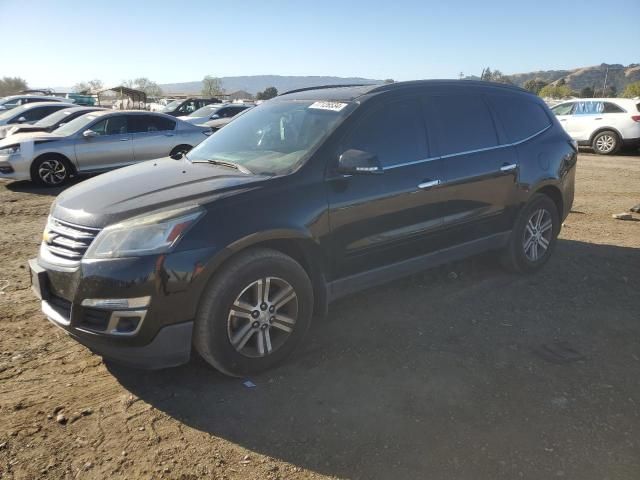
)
(215, 111)
(28, 114)
(217, 123)
(53, 121)
(604, 124)
(13, 101)
(94, 143)
(179, 108)
(306, 198)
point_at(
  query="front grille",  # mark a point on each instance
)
(68, 241)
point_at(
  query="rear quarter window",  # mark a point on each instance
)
(461, 123)
(520, 117)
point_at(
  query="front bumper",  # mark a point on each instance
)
(155, 334)
(15, 167)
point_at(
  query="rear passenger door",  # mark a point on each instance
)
(479, 174)
(379, 219)
(153, 136)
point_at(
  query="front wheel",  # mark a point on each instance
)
(50, 171)
(533, 237)
(253, 313)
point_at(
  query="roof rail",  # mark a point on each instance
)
(411, 83)
(320, 87)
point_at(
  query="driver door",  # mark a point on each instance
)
(112, 147)
(383, 218)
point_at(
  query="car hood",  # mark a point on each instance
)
(28, 136)
(153, 185)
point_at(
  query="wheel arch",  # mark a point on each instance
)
(604, 129)
(302, 248)
(554, 193)
(58, 155)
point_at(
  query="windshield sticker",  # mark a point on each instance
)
(333, 106)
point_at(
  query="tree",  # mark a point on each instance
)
(561, 82)
(610, 91)
(211, 86)
(151, 88)
(587, 92)
(534, 85)
(91, 86)
(555, 91)
(496, 76)
(268, 93)
(632, 90)
(12, 85)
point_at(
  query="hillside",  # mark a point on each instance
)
(256, 83)
(579, 78)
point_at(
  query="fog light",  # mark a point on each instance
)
(116, 303)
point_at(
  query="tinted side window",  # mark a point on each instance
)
(111, 126)
(520, 117)
(612, 108)
(394, 132)
(461, 123)
(149, 123)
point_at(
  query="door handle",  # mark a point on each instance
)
(508, 167)
(598, 118)
(124, 139)
(563, 119)
(169, 134)
(428, 184)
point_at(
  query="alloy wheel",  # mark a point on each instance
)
(537, 235)
(52, 172)
(262, 317)
(605, 143)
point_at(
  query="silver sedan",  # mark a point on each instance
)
(94, 143)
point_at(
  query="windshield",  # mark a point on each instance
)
(172, 106)
(75, 125)
(53, 119)
(275, 137)
(205, 111)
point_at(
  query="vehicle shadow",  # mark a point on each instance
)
(24, 186)
(440, 375)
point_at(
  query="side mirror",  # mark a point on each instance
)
(359, 162)
(89, 133)
(21, 120)
(214, 116)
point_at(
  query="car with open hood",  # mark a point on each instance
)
(28, 114)
(53, 121)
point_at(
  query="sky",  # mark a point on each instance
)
(53, 43)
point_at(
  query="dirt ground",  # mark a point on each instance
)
(465, 372)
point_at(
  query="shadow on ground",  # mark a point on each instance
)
(35, 189)
(442, 376)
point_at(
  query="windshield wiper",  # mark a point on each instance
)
(223, 163)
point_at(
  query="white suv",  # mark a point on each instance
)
(605, 124)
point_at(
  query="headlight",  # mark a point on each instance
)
(11, 149)
(145, 235)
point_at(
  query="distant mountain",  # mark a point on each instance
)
(257, 83)
(579, 78)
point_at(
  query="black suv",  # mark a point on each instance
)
(310, 196)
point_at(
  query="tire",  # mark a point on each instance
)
(606, 142)
(222, 320)
(51, 171)
(519, 254)
(180, 149)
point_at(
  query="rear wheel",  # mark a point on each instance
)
(606, 143)
(50, 171)
(533, 237)
(253, 313)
